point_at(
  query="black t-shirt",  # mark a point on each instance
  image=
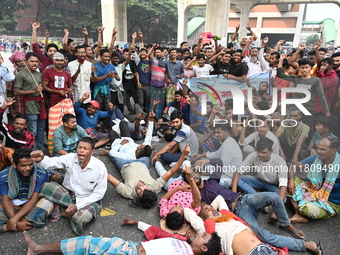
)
(239, 70)
(220, 68)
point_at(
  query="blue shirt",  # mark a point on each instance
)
(334, 197)
(103, 70)
(5, 73)
(194, 118)
(144, 71)
(86, 121)
(42, 177)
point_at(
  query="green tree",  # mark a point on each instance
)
(197, 12)
(311, 40)
(157, 19)
(9, 15)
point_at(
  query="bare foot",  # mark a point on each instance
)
(297, 218)
(103, 152)
(313, 247)
(153, 146)
(295, 231)
(31, 244)
(65, 214)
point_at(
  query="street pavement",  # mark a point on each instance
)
(116, 208)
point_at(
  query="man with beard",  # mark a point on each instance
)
(67, 136)
(157, 79)
(84, 185)
(292, 138)
(159, 242)
(262, 131)
(51, 48)
(80, 73)
(20, 184)
(17, 135)
(58, 84)
(185, 135)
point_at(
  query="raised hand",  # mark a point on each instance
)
(9, 101)
(140, 34)
(86, 95)
(66, 31)
(114, 31)
(84, 31)
(302, 46)
(101, 29)
(47, 34)
(134, 35)
(280, 42)
(35, 25)
(248, 27)
(265, 40)
(37, 156)
(186, 150)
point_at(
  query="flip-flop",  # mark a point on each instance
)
(293, 233)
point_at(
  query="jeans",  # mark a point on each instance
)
(262, 249)
(249, 210)
(143, 95)
(249, 183)
(161, 171)
(37, 127)
(119, 162)
(171, 157)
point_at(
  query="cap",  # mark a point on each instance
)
(58, 55)
(94, 103)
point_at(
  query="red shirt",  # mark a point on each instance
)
(57, 81)
(329, 83)
(44, 61)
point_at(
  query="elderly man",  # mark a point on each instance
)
(20, 185)
(5, 73)
(160, 242)
(84, 185)
(319, 197)
(88, 118)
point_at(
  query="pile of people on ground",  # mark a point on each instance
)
(63, 107)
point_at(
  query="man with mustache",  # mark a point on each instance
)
(17, 135)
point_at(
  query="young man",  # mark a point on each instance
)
(291, 139)
(159, 241)
(58, 84)
(67, 136)
(229, 152)
(202, 70)
(311, 83)
(20, 185)
(239, 69)
(178, 104)
(17, 135)
(81, 74)
(185, 135)
(6, 153)
(197, 121)
(28, 85)
(86, 177)
(223, 65)
(129, 81)
(323, 182)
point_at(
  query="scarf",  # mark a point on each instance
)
(13, 183)
(318, 190)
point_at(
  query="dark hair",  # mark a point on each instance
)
(126, 50)
(67, 117)
(209, 48)
(224, 127)
(239, 51)
(145, 152)
(335, 142)
(64, 52)
(323, 49)
(102, 51)
(210, 104)
(336, 54)
(200, 56)
(31, 54)
(229, 102)
(21, 153)
(86, 46)
(69, 41)
(149, 199)
(204, 45)
(329, 61)
(195, 96)
(262, 105)
(305, 61)
(1, 138)
(115, 54)
(24, 45)
(21, 116)
(311, 53)
(264, 143)
(276, 54)
(186, 50)
(177, 114)
(187, 57)
(171, 50)
(285, 64)
(174, 221)
(214, 245)
(328, 122)
(79, 47)
(143, 49)
(179, 92)
(262, 118)
(89, 140)
(169, 137)
(51, 45)
(182, 43)
(300, 53)
(230, 45)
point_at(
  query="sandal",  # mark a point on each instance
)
(293, 233)
(318, 249)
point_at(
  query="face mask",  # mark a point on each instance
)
(80, 60)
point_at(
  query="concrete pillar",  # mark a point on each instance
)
(245, 10)
(114, 14)
(217, 16)
(337, 38)
(182, 25)
(297, 35)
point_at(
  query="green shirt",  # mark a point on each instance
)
(24, 81)
(313, 84)
(292, 135)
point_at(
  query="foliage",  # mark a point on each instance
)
(197, 12)
(8, 13)
(311, 40)
(157, 19)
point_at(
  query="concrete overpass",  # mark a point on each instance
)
(114, 13)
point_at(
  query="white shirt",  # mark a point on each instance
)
(202, 71)
(89, 184)
(119, 69)
(260, 66)
(128, 151)
(255, 137)
(82, 83)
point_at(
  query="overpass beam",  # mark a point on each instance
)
(114, 14)
(217, 17)
(245, 10)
